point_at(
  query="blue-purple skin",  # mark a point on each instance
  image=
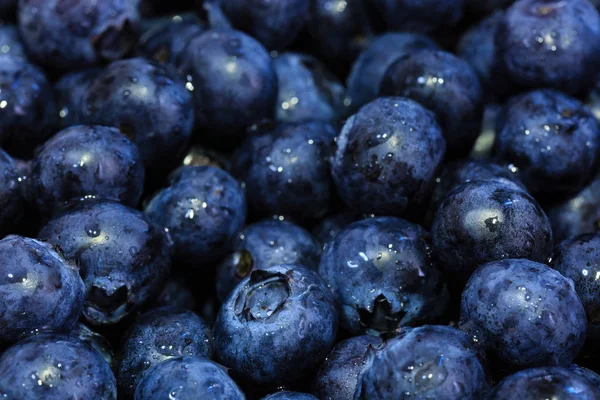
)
(55, 367)
(367, 71)
(39, 290)
(233, 81)
(29, 113)
(7, 8)
(579, 260)
(545, 383)
(307, 90)
(383, 275)
(157, 336)
(96, 341)
(10, 39)
(68, 92)
(524, 313)
(340, 31)
(262, 245)
(337, 378)
(588, 374)
(552, 138)
(124, 259)
(78, 34)
(330, 226)
(483, 221)
(550, 43)
(188, 378)
(445, 84)
(429, 362)
(12, 207)
(203, 209)
(287, 171)
(275, 24)
(148, 102)
(424, 16)
(83, 161)
(290, 396)
(276, 326)
(387, 156)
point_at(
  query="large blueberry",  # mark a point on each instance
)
(552, 138)
(233, 82)
(39, 290)
(84, 161)
(276, 326)
(288, 171)
(545, 383)
(157, 336)
(78, 33)
(27, 109)
(337, 378)
(484, 221)
(262, 245)
(383, 275)
(367, 71)
(285, 395)
(123, 257)
(524, 313)
(55, 367)
(430, 362)
(69, 91)
(550, 43)
(188, 378)
(426, 16)
(307, 90)
(203, 209)
(12, 208)
(10, 39)
(387, 156)
(446, 85)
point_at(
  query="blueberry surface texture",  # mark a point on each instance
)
(87, 161)
(484, 221)
(524, 313)
(123, 258)
(276, 326)
(387, 156)
(55, 367)
(383, 275)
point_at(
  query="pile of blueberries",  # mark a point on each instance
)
(299, 199)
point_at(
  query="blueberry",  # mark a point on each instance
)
(275, 24)
(337, 378)
(55, 367)
(538, 42)
(330, 226)
(157, 336)
(266, 244)
(203, 209)
(552, 138)
(285, 395)
(123, 258)
(367, 71)
(484, 221)
(87, 161)
(187, 378)
(591, 376)
(276, 326)
(11, 195)
(383, 275)
(387, 156)
(307, 90)
(27, 110)
(10, 39)
(39, 290)
(78, 33)
(446, 85)
(579, 259)
(69, 91)
(287, 171)
(546, 383)
(176, 295)
(233, 82)
(430, 362)
(425, 16)
(524, 313)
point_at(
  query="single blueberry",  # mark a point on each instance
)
(10, 39)
(123, 258)
(276, 326)
(285, 395)
(387, 156)
(187, 378)
(69, 91)
(87, 161)
(12, 190)
(425, 16)
(55, 367)
(430, 362)
(96, 341)
(484, 221)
